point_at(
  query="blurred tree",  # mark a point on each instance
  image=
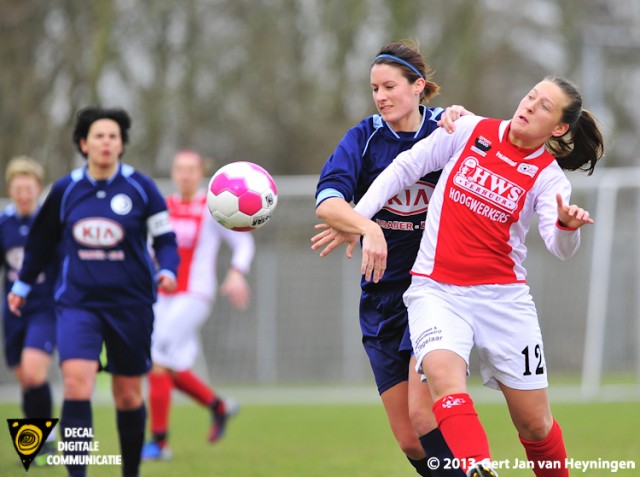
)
(279, 81)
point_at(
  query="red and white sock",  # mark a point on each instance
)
(190, 384)
(458, 421)
(548, 455)
(160, 386)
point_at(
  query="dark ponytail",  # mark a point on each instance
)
(583, 144)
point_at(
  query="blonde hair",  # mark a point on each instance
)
(24, 165)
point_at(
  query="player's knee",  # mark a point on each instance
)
(410, 446)
(30, 380)
(127, 401)
(408, 441)
(422, 420)
(77, 387)
(127, 393)
(446, 372)
(535, 428)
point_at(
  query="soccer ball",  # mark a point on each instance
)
(242, 196)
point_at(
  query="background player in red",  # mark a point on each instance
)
(180, 314)
(29, 339)
(97, 222)
(469, 284)
(401, 86)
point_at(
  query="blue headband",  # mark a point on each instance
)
(403, 62)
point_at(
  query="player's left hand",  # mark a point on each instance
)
(331, 238)
(236, 289)
(450, 115)
(374, 253)
(166, 283)
(572, 216)
(15, 302)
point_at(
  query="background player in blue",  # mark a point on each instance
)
(401, 84)
(29, 339)
(100, 217)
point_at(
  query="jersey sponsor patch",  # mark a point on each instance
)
(399, 225)
(121, 204)
(479, 207)
(159, 224)
(101, 255)
(488, 185)
(527, 169)
(98, 232)
(481, 146)
(412, 200)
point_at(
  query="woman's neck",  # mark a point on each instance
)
(101, 173)
(523, 143)
(409, 124)
(188, 195)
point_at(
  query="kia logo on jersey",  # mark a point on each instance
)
(98, 232)
(412, 200)
(484, 183)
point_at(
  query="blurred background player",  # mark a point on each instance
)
(401, 84)
(29, 339)
(98, 221)
(180, 314)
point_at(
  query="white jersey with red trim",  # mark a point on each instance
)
(199, 237)
(482, 207)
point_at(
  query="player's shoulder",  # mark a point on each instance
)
(138, 179)
(356, 139)
(466, 125)
(473, 119)
(129, 172)
(63, 183)
(552, 172)
(365, 128)
(431, 114)
(9, 213)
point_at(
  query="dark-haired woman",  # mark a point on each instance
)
(401, 86)
(469, 283)
(96, 222)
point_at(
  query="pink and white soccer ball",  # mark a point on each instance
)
(242, 196)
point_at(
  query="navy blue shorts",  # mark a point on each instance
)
(125, 332)
(34, 329)
(385, 336)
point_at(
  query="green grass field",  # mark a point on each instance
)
(339, 440)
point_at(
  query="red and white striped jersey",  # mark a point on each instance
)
(199, 238)
(482, 207)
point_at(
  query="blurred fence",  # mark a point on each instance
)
(302, 325)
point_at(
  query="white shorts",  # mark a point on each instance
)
(499, 320)
(176, 331)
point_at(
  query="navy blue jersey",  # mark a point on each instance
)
(101, 229)
(362, 154)
(14, 229)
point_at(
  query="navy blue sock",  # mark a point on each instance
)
(131, 425)
(436, 447)
(36, 402)
(76, 415)
(421, 467)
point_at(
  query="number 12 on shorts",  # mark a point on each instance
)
(537, 360)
